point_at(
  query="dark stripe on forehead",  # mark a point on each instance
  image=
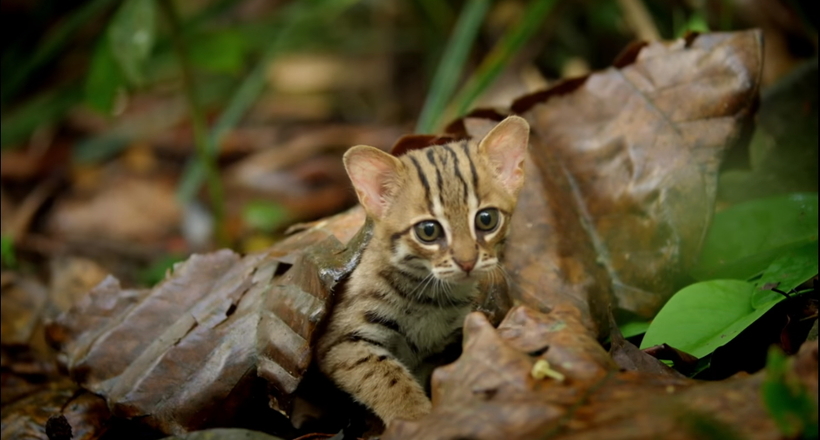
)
(424, 183)
(466, 148)
(458, 171)
(439, 181)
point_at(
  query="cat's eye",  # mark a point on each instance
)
(486, 220)
(428, 230)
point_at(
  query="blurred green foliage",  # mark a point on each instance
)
(126, 47)
(788, 401)
(441, 57)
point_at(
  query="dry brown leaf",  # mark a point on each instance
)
(23, 302)
(127, 208)
(489, 393)
(622, 181)
(86, 413)
(183, 356)
(179, 355)
(305, 174)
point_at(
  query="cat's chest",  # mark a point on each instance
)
(429, 329)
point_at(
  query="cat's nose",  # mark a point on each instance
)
(466, 266)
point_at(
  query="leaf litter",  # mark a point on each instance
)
(629, 152)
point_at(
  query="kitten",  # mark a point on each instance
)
(440, 217)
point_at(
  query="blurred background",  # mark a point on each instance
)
(135, 132)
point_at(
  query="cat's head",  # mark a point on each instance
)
(443, 209)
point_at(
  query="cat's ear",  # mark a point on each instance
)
(505, 146)
(373, 174)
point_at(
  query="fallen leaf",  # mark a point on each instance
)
(622, 178)
(489, 392)
(84, 412)
(127, 208)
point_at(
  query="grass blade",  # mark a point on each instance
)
(494, 63)
(451, 65)
(253, 85)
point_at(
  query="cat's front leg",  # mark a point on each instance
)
(374, 377)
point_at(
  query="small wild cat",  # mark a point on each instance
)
(440, 217)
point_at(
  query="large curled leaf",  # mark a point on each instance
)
(744, 239)
(622, 178)
(706, 315)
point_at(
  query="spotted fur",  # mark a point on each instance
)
(407, 299)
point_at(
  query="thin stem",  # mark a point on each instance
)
(494, 63)
(452, 64)
(205, 153)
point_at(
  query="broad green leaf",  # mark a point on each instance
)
(704, 316)
(219, 52)
(104, 78)
(787, 400)
(633, 328)
(788, 271)
(745, 239)
(131, 34)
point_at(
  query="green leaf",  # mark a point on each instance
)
(704, 316)
(264, 216)
(131, 34)
(104, 79)
(787, 271)
(633, 328)
(7, 255)
(787, 400)
(695, 23)
(218, 52)
(452, 64)
(157, 270)
(744, 239)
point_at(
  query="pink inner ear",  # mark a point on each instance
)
(505, 147)
(370, 171)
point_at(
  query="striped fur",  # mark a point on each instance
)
(408, 297)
